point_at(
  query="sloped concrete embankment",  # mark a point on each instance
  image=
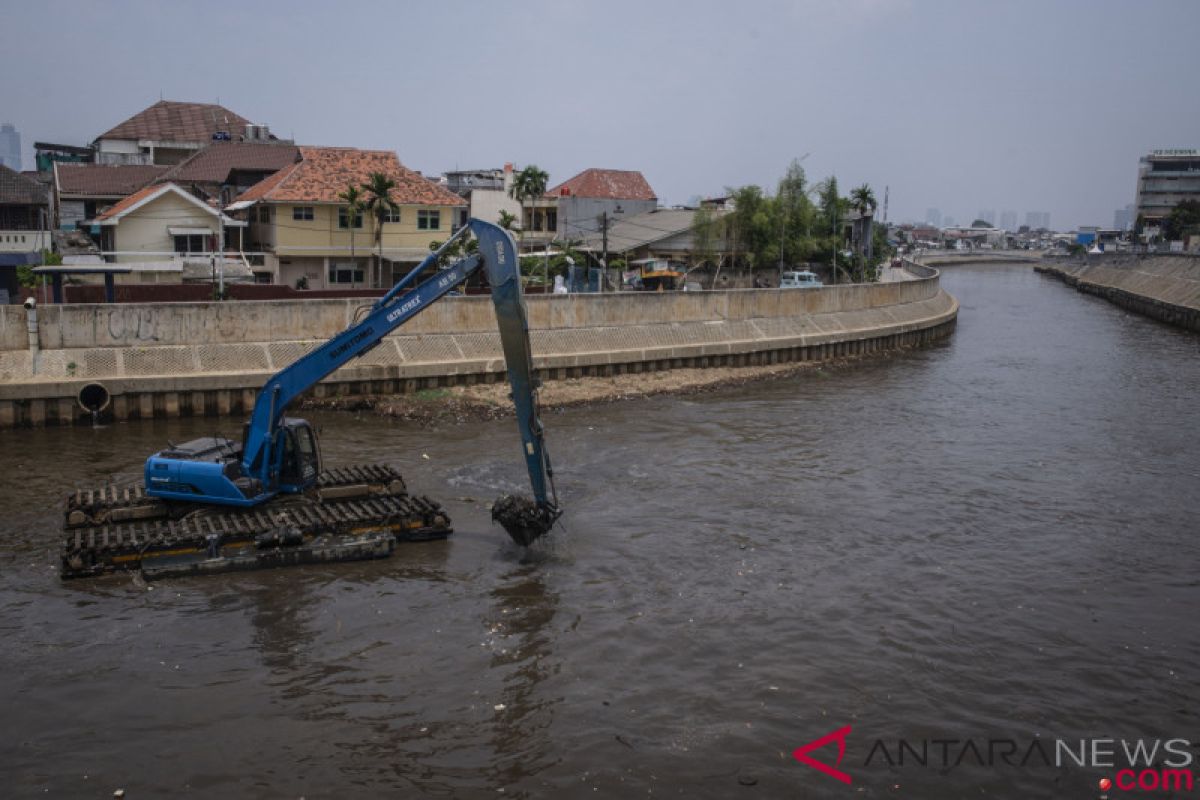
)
(1165, 287)
(211, 358)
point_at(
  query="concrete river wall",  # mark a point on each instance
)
(212, 358)
(1165, 287)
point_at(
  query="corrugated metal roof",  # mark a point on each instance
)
(644, 229)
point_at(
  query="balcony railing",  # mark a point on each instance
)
(23, 241)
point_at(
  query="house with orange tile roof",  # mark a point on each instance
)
(168, 235)
(582, 202)
(223, 170)
(301, 225)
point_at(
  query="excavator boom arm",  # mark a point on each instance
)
(523, 520)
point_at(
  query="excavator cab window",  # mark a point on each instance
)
(301, 459)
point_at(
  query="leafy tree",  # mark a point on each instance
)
(834, 209)
(753, 224)
(529, 184)
(881, 251)
(1184, 219)
(353, 199)
(507, 218)
(459, 249)
(25, 274)
(981, 223)
(379, 201)
(705, 235)
(795, 214)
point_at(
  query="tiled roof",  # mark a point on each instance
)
(168, 120)
(104, 180)
(607, 184)
(324, 172)
(264, 189)
(129, 202)
(214, 163)
(15, 188)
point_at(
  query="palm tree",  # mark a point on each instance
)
(507, 219)
(863, 201)
(379, 188)
(529, 184)
(352, 197)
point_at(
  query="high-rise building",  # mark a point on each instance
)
(947, 221)
(1165, 179)
(1008, 221)
(1123, 217)
(1037, 219)
(988, 216)
(933, 216)
(10, 147)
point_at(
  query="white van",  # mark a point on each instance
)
(799, 279)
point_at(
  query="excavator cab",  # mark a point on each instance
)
(301, 462)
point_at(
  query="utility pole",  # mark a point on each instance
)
(221, 252)
(782, 230)
(834, 225)
(604, 257)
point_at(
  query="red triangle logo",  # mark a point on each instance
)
(801, 754)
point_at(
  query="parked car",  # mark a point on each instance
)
(799, 279)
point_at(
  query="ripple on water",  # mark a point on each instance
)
(989, 537)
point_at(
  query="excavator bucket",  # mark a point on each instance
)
(524, 519)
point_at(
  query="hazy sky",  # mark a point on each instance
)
(959, 105)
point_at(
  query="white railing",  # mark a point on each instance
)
(14, 241)
(239, 256)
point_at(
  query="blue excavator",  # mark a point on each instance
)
(212, 499)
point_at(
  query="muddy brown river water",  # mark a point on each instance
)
(993, 539)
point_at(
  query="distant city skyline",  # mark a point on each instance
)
(1123, 218)
(10, 146)
(599, 108)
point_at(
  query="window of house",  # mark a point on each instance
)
(391, 215)
(345, 273)
(551, 219)
(429, 220)
(344, 219)
(264, 214)
(191, 243)
(302, 213)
